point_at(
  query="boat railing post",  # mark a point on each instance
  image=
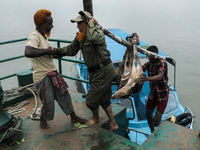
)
(86, 79)
(136, 137)
(59, 59)
(174, 77)
(192, 122)
(199, 131)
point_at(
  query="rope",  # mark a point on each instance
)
(4, 134)
(18, 108)
(17, 111)
(36, 111)
(16, 91)
(34, 115)
(72, 66)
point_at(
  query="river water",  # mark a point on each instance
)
(173, 26)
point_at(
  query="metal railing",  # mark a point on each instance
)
(59, 59)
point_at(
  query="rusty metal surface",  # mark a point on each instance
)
(172, 136)
(112, 141)
(63, 135)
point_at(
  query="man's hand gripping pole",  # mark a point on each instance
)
(120, 40)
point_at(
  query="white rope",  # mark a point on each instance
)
(36, 111)
(18, 108)
(17, 111)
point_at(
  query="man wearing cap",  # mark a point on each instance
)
(91, 41)
(49, 83)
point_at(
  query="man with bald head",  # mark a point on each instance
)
(49, 83)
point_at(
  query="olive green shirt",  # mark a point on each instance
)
(93, 47)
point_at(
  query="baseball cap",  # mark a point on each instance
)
(79, 18)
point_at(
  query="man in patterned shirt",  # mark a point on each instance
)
(159, 90)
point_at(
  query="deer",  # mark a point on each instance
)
(130, 79)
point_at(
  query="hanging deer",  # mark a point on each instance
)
(129, 73)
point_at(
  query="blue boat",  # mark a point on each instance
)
(138, 130)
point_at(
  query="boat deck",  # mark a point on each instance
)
(62, 134)
(172, 136)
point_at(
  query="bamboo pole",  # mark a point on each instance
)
(87, 6)
(120, 40)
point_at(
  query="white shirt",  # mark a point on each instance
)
(44, 64)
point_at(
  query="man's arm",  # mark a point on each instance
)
(32, 52)
(70, 50)
(154, 78)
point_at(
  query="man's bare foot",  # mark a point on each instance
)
(113, 127)
(93, 121)
(43, 123)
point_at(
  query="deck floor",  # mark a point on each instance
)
(172, 136)
(63, 135)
